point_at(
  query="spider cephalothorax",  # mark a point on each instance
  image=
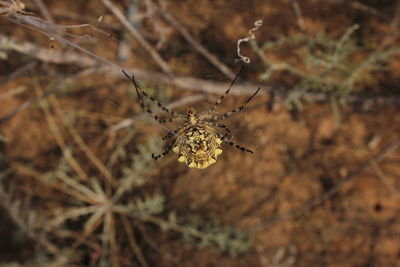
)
(197, 142)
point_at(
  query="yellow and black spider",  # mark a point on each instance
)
(196, 141)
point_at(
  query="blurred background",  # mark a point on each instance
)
(78, 185)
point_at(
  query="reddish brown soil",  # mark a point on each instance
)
(297, 158)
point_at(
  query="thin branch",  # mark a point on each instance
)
(58, 136)
(24, 170)
(109, 230)
(132, 241)
(299, 15)
(45, 12)
(384, 179)
(83, 146)
(55, 31)
(196, 45)
(68, 214)
(47, 55)
(138, 36)
(90, 226)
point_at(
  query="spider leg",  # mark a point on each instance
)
(156, 157)
(228, 133)
(169, 135)
(171, 119)
(216, 104)
(172, 133)
(161, 106)
(241, 148)
(238, 109)
(145, 106)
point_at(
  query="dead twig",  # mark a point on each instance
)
(162, 30)
(84, 147)
(57, 134)
(196, 45)
(384, 179)
(45, 12)
(75, 193)
(299, 15)
(132, 241)
(138, 36)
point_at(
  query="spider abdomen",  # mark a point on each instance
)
(198, 147)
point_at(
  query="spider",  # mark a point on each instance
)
(197, 142)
